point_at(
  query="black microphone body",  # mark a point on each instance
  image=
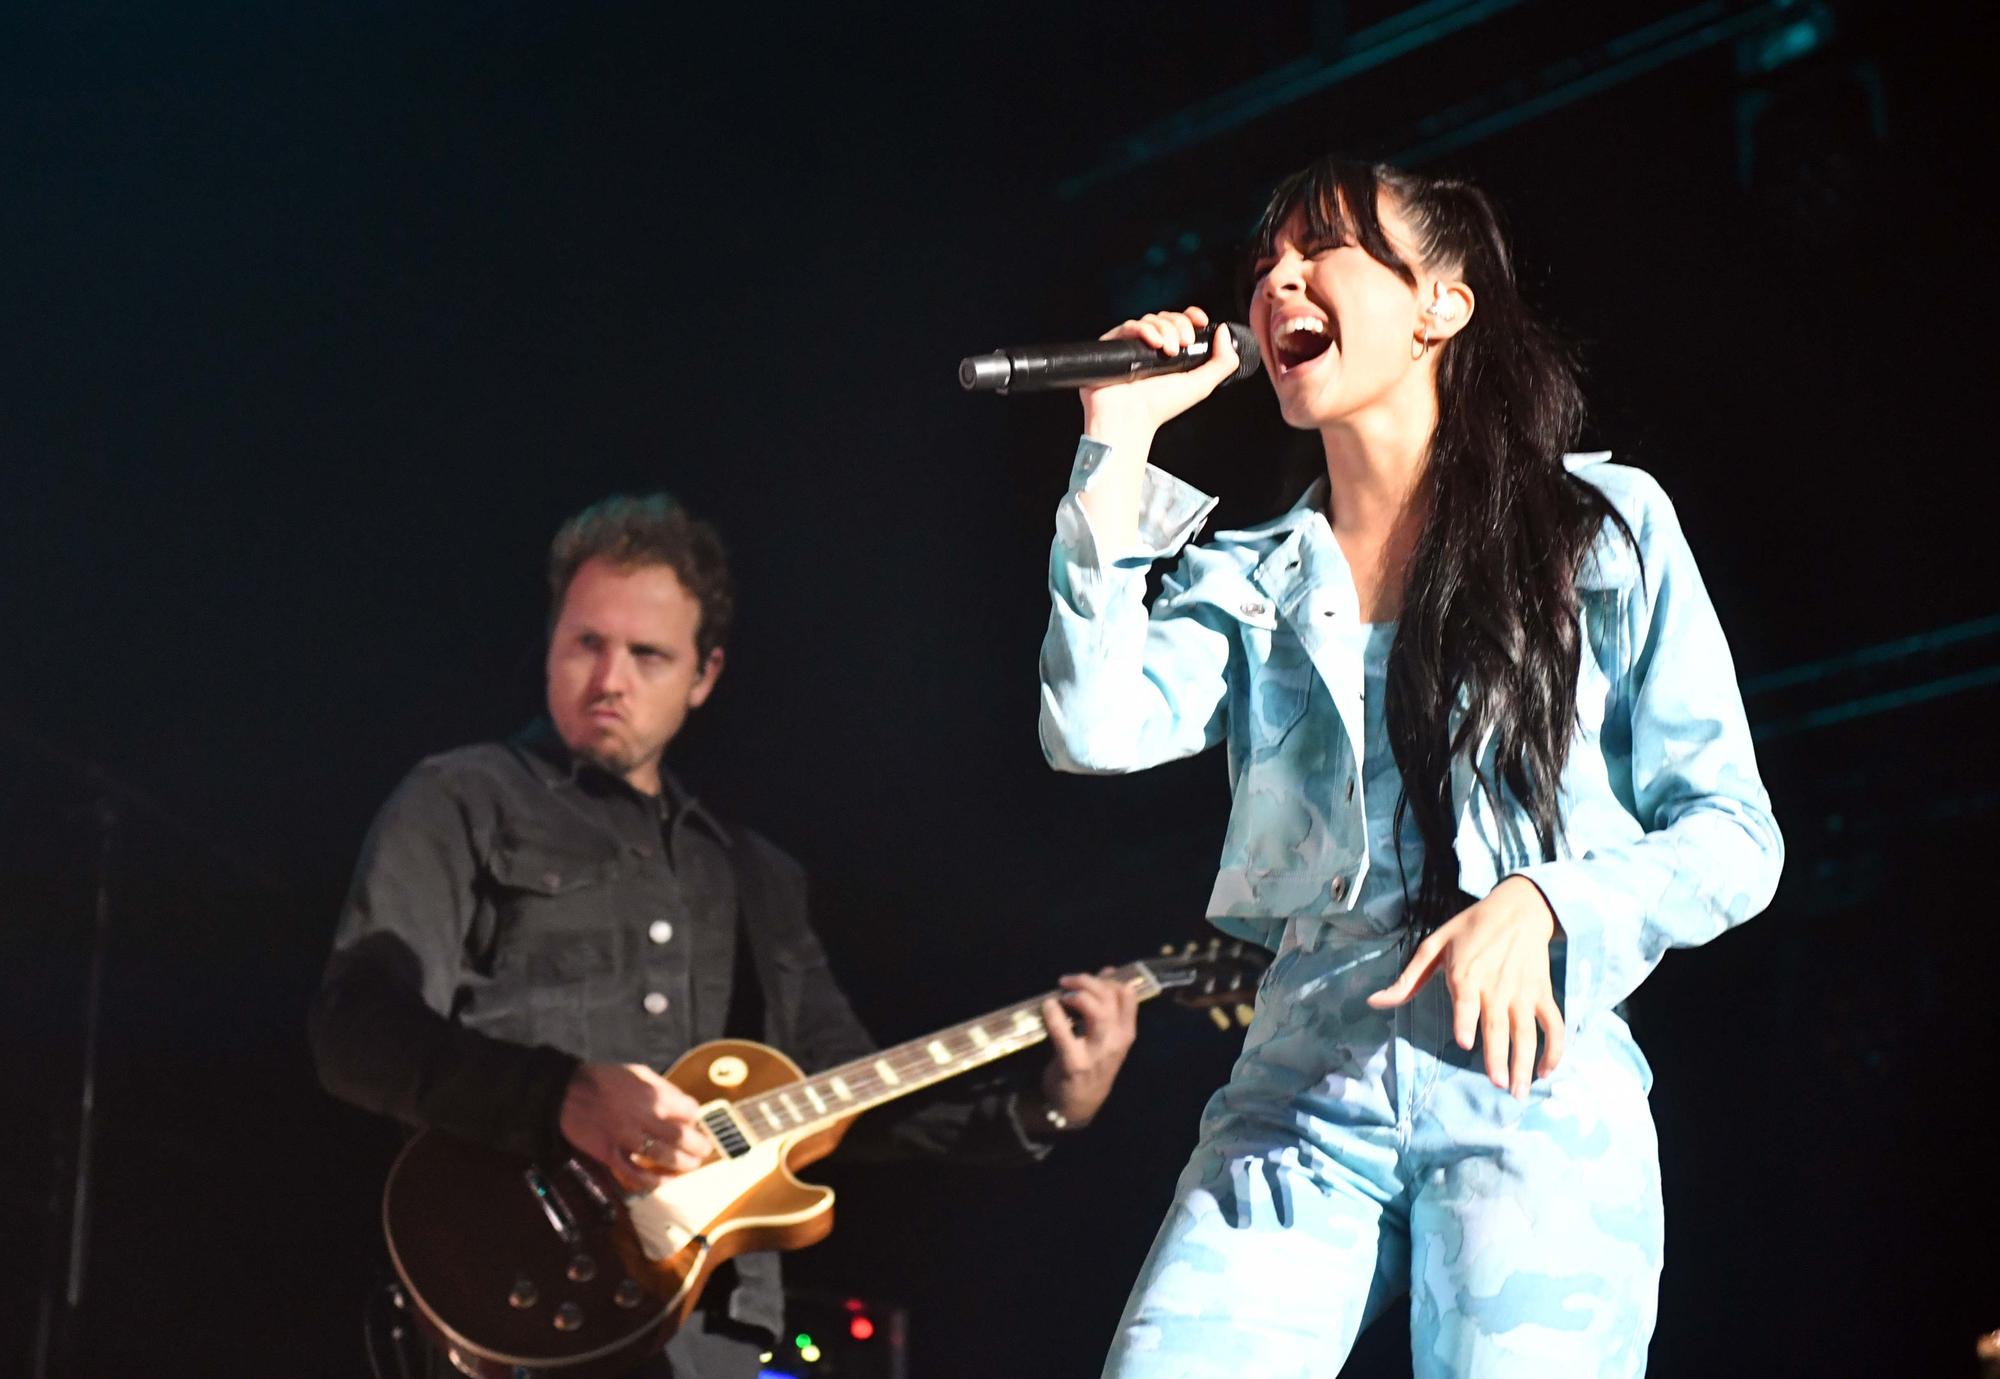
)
(1045, 368)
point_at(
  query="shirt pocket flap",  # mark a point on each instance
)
(527, 865)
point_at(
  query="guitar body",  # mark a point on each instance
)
(522, 1268)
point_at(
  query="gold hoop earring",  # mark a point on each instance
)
(1420, 346)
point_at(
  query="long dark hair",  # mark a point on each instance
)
(1490, 607)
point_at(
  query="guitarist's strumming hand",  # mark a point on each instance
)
(1091, 1026)
(634, 1122)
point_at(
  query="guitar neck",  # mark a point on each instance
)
(823, 1099)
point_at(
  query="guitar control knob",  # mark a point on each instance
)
(524, 1294)
(569, 1317)
(582, 1269)
(628, 1293)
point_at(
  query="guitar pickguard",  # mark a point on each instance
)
(695, 1204)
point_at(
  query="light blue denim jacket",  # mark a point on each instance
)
(1669, 838)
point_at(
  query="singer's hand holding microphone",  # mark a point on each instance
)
(1161, 342)
(1127, 413)
(1133, 380)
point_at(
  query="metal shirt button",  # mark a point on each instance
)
(1339, 888)
(655, 1003)
(659, 931)
(1255, 610)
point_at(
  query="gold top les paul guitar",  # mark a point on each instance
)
(518, 1268)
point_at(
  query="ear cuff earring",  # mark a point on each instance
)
(1443, 309)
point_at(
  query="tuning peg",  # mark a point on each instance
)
(1244, 1015)
(1215, 1013)
(1166, 950)
(1190, 950)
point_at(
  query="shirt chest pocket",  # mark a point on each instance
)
(1281, 684)
(556, 940)
(1274, 692)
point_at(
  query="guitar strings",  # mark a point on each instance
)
(916, 1064)
(913, 1064)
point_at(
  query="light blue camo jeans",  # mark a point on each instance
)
(1356, 1154)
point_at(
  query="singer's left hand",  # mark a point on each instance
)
(1495, 959)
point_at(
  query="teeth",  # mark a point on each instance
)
(1299, 323)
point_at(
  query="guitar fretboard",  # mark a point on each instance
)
(834, 1095)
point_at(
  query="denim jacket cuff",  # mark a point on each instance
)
(1170, 513)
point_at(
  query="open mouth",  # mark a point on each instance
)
(1300, 340)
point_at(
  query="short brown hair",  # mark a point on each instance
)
(653, 529)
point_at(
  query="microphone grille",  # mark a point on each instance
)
(1248, 361)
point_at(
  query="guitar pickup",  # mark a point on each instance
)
(720, 1122)
(592, 1188)
(561, 1219)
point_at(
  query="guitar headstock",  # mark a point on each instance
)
(1219, 976)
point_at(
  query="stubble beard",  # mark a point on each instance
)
(612, 752)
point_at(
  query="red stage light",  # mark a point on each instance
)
(860, 1328)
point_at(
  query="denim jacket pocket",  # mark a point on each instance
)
(539, 868)
(1281, 684)
(557, 945)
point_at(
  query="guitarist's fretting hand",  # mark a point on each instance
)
(629, 1118)
(1087, 1058)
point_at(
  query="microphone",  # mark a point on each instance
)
(1044, 368)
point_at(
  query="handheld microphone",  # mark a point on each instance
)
(1043, 368)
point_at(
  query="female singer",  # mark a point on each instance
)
(1488, 762)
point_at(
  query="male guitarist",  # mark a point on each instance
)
(536, 928)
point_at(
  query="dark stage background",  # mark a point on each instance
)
(317, 319)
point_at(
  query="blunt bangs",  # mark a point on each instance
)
(1337, 200)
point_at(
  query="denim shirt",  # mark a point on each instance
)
(1668, 838)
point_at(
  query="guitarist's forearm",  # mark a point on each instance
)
(385, 1051)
